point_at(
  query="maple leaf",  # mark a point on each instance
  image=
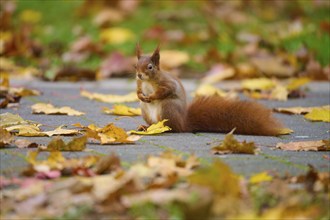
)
(122, 110)
(231, 145)
(157, 128)
(320, 145)
(49, 109)
(296, 83)
(108, 98)
(57, 144)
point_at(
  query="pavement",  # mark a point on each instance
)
(268, 159)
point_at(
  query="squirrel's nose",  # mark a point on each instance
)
(140, 76)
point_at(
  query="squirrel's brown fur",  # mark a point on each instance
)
(163, 97)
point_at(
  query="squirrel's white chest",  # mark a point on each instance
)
(147, 88)
(153, 108)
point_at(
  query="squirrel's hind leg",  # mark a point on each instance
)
(175, 113)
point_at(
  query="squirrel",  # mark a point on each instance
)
(162, 96)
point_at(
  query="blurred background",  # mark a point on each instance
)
(229, 39)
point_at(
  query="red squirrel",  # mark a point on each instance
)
(163, 97)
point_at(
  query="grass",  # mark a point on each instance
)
(60, 18)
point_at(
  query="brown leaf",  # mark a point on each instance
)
(57, 144)
(5, 137)
(321, 145)
(231, 145)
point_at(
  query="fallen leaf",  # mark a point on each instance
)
(157, 128)
(56, 161)
(258, 84)
(116, 35)
(321, 145)
(284, 131)
(319, 114)
(57, 144)
(61, 131)
(231, 145)
(122, 110)
(8, 119)
(23, 143)
(299, 110)
(116, 65)
(131, 97)
(297, 83)
(260, 178)
(279, 93)
(273, 66)
(27, 130)
(5, 137)
(24, 92)
(49, 109)
(218, 73)
(173, 58)
(109, 134)
(30, 16)
(209, 90)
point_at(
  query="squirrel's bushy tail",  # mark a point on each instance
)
(216, 114)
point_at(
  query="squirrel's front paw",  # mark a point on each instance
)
(146, 99)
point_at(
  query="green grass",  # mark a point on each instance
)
(60, 17)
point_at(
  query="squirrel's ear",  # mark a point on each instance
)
(138, 50)
(155, 56)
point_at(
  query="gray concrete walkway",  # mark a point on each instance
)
(68, 94)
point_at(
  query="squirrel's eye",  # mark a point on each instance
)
(150, 66)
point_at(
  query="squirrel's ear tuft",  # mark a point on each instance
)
(138, 50)
(155, 56)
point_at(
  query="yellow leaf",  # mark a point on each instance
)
(319, 114)
(260, 177)
(284, 131)
(26, 130)
(122, 110)
(61, 131)
(30, 16)
(24, 92)
(8, 119)
(154, 129)
(258, 84)
(173, 58)
(109, 134)
(219, 178)
(297, 83)
(5, 137)
(117, 35)
(209, 90)
(49, 109)
(57, 144)
(279, 93)
(231, 145)
(131, 97)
